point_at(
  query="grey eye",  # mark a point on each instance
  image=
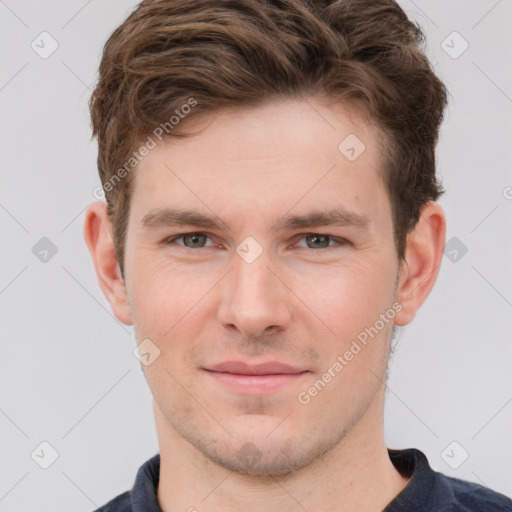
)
(193, 240)
(318, 241)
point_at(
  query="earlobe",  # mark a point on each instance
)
(423, 256)
(98, 236)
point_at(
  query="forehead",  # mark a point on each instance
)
(281, 129)
(273, 155)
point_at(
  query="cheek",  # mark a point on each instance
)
(164, 294)
(347, 298)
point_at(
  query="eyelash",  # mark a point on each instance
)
(339, 241)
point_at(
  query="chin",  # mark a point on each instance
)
(255, 458)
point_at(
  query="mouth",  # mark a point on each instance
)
(261, 379)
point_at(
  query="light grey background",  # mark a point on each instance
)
(68, 375)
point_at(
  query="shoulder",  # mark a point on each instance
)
(144, 491)
(471, 497)
(431, 491)
(119, 504)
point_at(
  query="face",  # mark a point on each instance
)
(255, 274)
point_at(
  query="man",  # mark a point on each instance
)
(269, 171)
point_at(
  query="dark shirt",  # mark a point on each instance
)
(426, 491)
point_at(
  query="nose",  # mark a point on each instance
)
(254, 298)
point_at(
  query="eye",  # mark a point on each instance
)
(190, 240)
(313, 241)
(320, 241)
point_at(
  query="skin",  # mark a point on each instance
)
(299, 302)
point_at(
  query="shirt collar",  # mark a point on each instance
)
(411, 463)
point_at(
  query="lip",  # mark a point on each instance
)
(270, 368)
(261, 379)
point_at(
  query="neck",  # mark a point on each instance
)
(355, 475)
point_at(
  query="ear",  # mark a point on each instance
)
(422, 260)
(98, 236)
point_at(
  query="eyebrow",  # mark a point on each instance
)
(172, 217)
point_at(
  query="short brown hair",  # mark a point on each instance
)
(225, 53)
